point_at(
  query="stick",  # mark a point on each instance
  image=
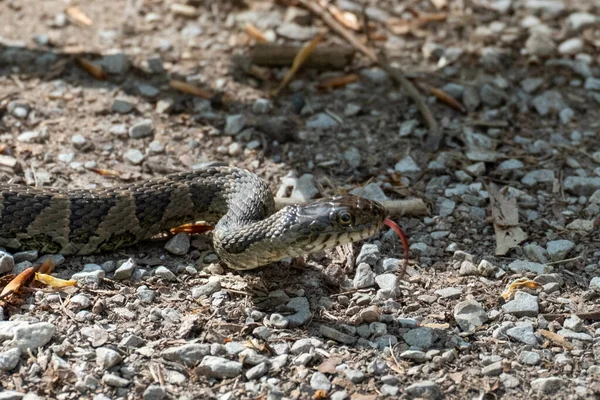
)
(273, 55)
(435, 133)
(397, 208)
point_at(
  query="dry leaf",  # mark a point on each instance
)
(457, 377)
(346, 18)
(192, 229)
(52, 281)
(18, 282)
(298, 61)
(320, 394)
(105, 172)
(555, 338)
(505, 215)
(338, 81)
(184, 10)
(93, 69)
(518, 284)
(255, 33)
(190, 89)
(78, 16)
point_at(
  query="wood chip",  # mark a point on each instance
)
(190, 89)
(92, 68)
(338, 81)
(255, 33)
(78, 16)
(184, 10)
(555, 338)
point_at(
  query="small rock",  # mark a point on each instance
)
(107, 358)
(595, 284)
(32, 336)
(122, 106)
(569, 334)
(302, 313)
(364, 276)
(154, 392)
(320, 381)
(7, 262)
(114, 380)
(414, 355)
(448, 293)
(581, 186)
(523, 305)
(549, 385)
(469, 315)
(529, 358)
(187, 354)
(571, 46)
(549, 102)
(293, 31)
(536, 253)
(117, 64)
(407, 166)
(520, 266)
(165, 273)
(491, 95)
(305, 188)
(178, 244)
(369, 254)
(558, 249)
(424, 389)
(134, 156)
(493, 369)
(422, 338)
(540, 176)
(387, 281)
(523, 333)
(262, 106)
(540, 44)
(125, 270)
(143, 128)
(579, 20)
(336, 335)
(234, 124)
(321, 121)
(213, 286)
(9, 359)
(257, 371)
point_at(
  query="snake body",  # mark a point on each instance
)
(247, 232)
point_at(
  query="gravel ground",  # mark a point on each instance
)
(164, 320)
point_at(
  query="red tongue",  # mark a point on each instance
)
(402, 236)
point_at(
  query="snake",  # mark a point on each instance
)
(248, 231)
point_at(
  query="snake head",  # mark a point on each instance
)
(330, 222)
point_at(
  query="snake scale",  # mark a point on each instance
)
(248, 232)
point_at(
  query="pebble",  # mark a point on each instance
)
(533, 178)
(80, 301)
(114, 380)
(491, 95)
(540, 44)
(212, 286)
(336, 335)
(364, 276)
(302, 313)
(387, 281)
(141, 129)
(293, 31)
(165, 273)
(408, 167)
(78, 141)
(134, 156)
(548, 385)
(117, 64)
(154, 392)
(469, 315)
(178, 244)
(257, 371)
(7, 262)
(319, 381)
(493, 369)
(32, 336)
(424, 389)
(352, 157)
(520, 266)
(187, 354)
(571, 46)
(147, 90)
(107, 358)
(422, 338)
(569, 334)
(579, 20)
(93, 277)
(414, 355)
(372, 191)
(449, 293)
(369, 254)
(549, 102)
(9, 359)
(32, 137)
(321, 121)
(559, 249)
(581, 186)
(305, 188)
(595, 284)
(122, 106)
(125, 270)
(523, 305)
(234, 124)
(523, 333)
(262, 106)
(529, 358)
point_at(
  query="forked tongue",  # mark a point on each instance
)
(402, 236)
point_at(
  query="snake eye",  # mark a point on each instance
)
(344, 218)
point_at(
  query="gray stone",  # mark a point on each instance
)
(320, 381)
(595, 284)
(11, 395)
(257, 371)
(354, 376)
(178, 244)
(234, 124)
(32, 137)
(571, 46)
(390, 390)
(548, 385)
(107, 358)
(581, 186)
(9, 359)
(117, 64)
(523, 333)
(540, 176)
(509, 381)
(165, 273)
(262, 106)
(540, 44)
(141, 129)
(422, 338)
(558, 249)
(530, 85)
(80, 301)
(536, 253)
(523, 305)
(364, 276)
(408, 127)
(154, 392)
(592, 84)
(147, 90)
(321, 121)
(569, 334)
(305, 345)
(132, 341)
(424, 389)
(387, 281)
(212, 286)
(375, 75)
(336, 335)
(529, 358)
(579, 20)
(293, 31)
(493, 369)
(187, 354)
(448, 293)
(164, 106)
(369, 254)
(491, 95)
(7, 263)
(122, 106)
(414, 355)
(134, 156)
(520, 266)
(33, 336)
(352, 157)
(93, 277)
(302, 314)
(549, 102)
(469, 315)
(114, 380)
(125, 270)
(408, 167)
(305, 188)
(372, 191)
(447, 207)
